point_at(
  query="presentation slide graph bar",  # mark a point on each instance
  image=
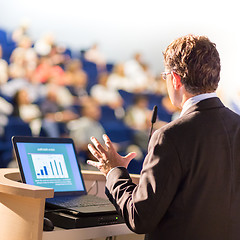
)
(45, 170)
(56, 167)
(49, 165)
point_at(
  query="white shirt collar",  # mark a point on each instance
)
(196, 99)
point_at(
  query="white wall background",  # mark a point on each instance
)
(122, 27)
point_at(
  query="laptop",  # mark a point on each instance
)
(52, 163)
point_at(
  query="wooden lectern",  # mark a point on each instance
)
(21, 207)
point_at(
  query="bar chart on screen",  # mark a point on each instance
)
(49, 166)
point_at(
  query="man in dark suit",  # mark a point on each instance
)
(189, 186)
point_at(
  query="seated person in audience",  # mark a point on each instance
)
(63, 95)
(151, 79)
(26, 110)
(46, 70)
(23, 62)
(21, 30)
(134, 70)
(23, 59)
(86, 126)
(58, 56)
(138, 117)
(43, 45)
(117, 80)
(53, 76)
(34, 88)
(55, 116)
(6, 110)
(105, 95)
(94, 55)
(21, 66)
(17, 67)
(3, 69)
(76, 80)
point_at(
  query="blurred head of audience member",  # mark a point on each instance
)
(76, 79)
(135, 72)
(3, 68)
(46, 71)
(82, 129)
(93, 54)
(138, 115)
(21, 30)
(57, 55)
(105, 95)
(118, 80)
(24, 108)
(43, 45)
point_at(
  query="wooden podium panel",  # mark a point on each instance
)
(21, 207)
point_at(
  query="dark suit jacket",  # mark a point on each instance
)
(189, 187)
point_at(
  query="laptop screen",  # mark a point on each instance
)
(48, 162)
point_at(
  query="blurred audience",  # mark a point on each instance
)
(3, 69)
(105, 95)
(47, 70)
(21, 30)
(6, 110)
(23, 59)
(83, 128)
(76, 80)
(117, 80)
(58, 96)
(58, 56)
(26, 110)
(135, 71)
(93, 54)
(55, 116)
(43, 45)
(138, 117)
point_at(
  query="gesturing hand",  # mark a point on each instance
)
(107, 156)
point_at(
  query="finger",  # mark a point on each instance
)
(98, 145)
(107, 141)
(94, 164)
(94, 152)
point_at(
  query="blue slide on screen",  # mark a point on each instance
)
(50, 165)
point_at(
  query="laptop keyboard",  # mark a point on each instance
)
(83, 201)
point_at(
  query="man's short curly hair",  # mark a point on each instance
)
(196, 60)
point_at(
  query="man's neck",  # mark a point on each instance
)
(195, 99)
(185, 97)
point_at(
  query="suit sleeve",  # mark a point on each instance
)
(144, 205)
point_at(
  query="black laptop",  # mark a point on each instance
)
(52, 163)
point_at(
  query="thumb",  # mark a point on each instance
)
(130, 156)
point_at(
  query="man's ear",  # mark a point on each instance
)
(176, 81)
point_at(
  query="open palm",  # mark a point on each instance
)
(107, 156)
